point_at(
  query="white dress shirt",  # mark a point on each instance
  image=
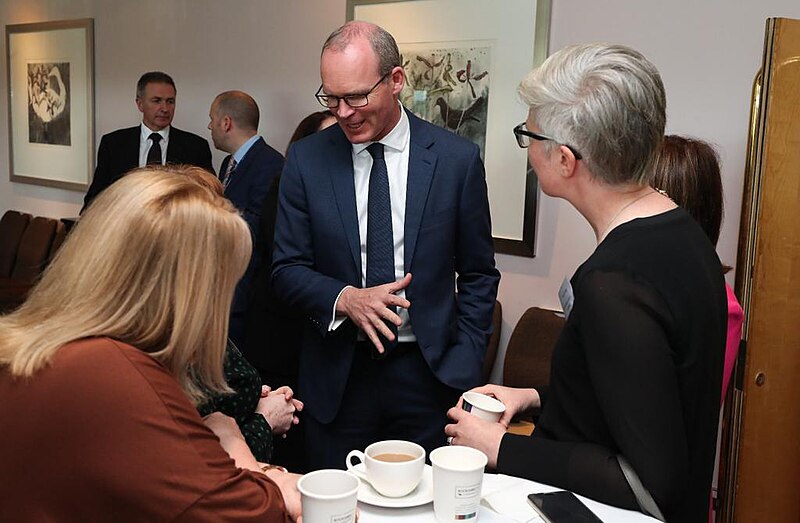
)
(145, 143)
(396, 149)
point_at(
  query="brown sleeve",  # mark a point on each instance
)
(127, 430)
(240, 498)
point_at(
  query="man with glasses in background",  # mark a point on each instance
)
(380, 219)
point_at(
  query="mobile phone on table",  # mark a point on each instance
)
(562, 507)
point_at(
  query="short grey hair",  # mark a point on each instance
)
(607, 101)
(153, 77)
(381, 41)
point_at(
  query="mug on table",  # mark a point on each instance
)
(393, 467)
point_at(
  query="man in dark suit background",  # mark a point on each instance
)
(363, 206)
(249, 173)
(155, 141)
(263, 329)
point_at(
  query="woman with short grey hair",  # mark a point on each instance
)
(636, 373)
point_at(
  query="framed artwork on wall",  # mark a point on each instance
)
(51, 103)
(463, 61)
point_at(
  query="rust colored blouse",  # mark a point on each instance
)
(105, 433)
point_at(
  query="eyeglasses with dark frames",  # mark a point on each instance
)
(353, 100)
(524, 137)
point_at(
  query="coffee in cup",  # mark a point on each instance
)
(393, 467)
(392, 457)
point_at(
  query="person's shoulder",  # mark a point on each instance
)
(423, 131)
(125, 133)
(330, 136)
(115, 376)
(261, 148)
(106, 353)
(180, 134)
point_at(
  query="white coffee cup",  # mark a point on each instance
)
(328, 495)
(393, 467)
(457, 483)
(483, 406)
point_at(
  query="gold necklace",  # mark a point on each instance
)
(611, 221)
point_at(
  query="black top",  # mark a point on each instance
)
(636, 371)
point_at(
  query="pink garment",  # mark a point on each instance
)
(735, 320)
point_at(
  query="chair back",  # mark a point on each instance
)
(34, 248)
(12, 226)
(530, 348)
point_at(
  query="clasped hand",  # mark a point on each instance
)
(280, 408)
(369, 308)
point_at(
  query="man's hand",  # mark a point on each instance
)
(368, 308)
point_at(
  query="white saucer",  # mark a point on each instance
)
(419, 496)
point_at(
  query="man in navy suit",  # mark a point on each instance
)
(249, 174)
(155, 141)
(262, 328)
(382, 360)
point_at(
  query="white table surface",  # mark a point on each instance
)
(513, 493)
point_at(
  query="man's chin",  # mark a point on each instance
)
(359, 135)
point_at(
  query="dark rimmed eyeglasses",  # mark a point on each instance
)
(353, 100)
(524, 137)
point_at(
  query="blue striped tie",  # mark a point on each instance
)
(380, 242)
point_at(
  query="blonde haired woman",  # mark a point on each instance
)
(101, 369)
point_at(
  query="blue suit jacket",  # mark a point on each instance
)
(253, 178)
(447, 233)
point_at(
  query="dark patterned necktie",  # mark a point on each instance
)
(380, 242)
(154, 154)
(228, 172)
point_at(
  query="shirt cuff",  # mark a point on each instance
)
(337, 319)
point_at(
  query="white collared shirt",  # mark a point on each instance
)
(396, 147)
(145, 143)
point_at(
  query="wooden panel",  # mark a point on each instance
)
(768, 476)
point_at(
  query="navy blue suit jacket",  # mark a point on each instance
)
(250, 182)
(119, 153)
(447, 233)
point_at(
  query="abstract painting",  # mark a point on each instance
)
(449, 86)
(49, 103)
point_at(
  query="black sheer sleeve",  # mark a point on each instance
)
(622, 328)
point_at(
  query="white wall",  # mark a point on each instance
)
(269, 48)
(707, 51)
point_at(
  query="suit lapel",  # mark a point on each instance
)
(421, 166)
(241, 167)
(340, 173)
(174, 145)
(129, 156)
